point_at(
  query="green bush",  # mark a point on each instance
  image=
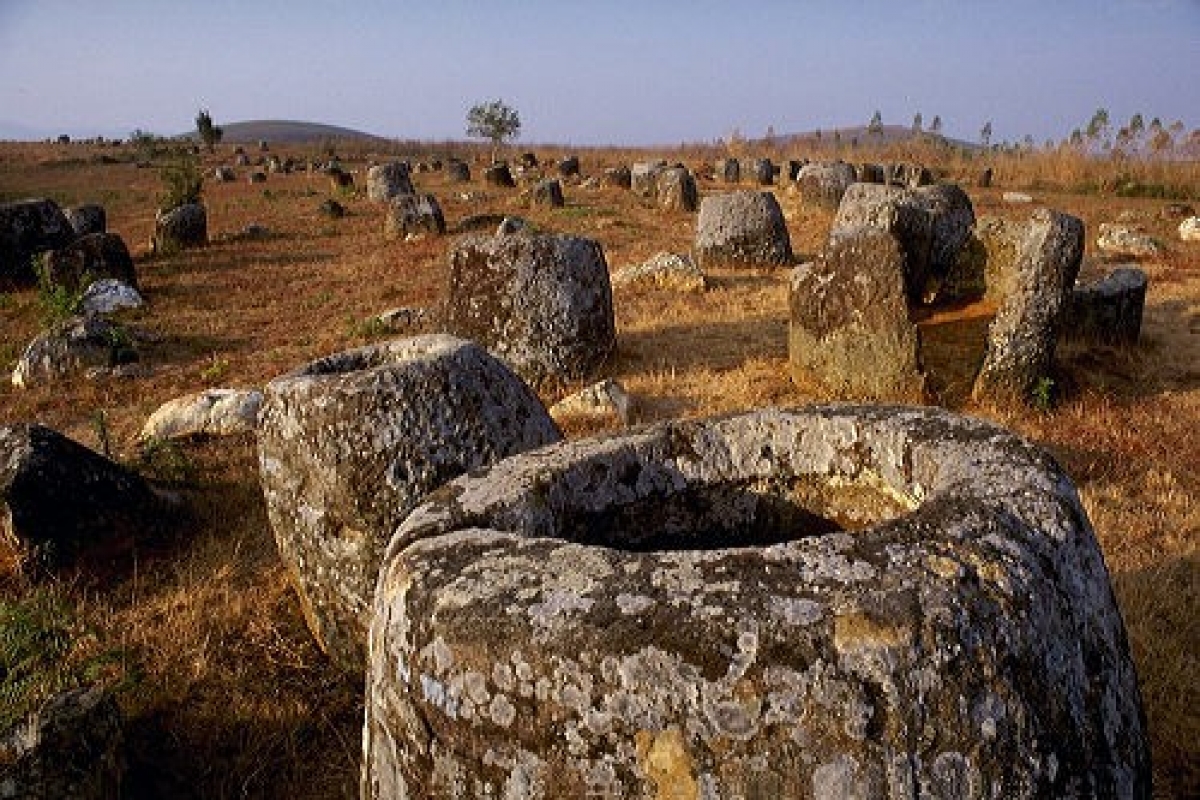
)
(182, 183)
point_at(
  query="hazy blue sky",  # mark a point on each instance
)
(620, 71)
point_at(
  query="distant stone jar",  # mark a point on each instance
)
(833, 602)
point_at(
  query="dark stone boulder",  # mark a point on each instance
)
(89, 258)
(29, 227)
(386, 181)
(745, 227)
(1021, 339)
(870, 173)
(543, 303)
(547, 193)
(569, 167)
(951, 218)
(332, 208)
(676, 190)
(729, 170)
(830, 602)
(907, 175)
(413, 215)
(350, 443)
(760, 170)
(528, 160)
(59, 499)
(179, 228)
(499, 175)
(643, 177)
(849, 330)
(87, 218)
(71, 747)
(1108, 311)
(618, 177)
(823, 184)
(458, 171)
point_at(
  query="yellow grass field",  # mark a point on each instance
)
(224, 692)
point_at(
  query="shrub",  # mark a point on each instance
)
(182, 183)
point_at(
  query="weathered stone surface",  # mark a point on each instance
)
(1189, 230)
(1120, 240)
(1108, 311)
(602, 400)
(386, 181)
(1021, 339)
(87, 218)
(1018, 198)
(74, 346)
(57, 497)
(986, 264)
(88, 258)
(618, 177)
(676, 190)
(108, 296)
(499, 175)
(744, 228)
(760, 170)
(823, 184)
(413, 215)
(541, 303)
(458, 171)
(835, 602)
(29, 227)
(349, 444)
(951, 218)
(643, 177)
(185, 226)
(214, 412)
(907, 175)
(72, 747)
(729, 170)
(849, 329)
(675, 271)
(547, 193)
(528, 160)
(870, 173)
(408, 320)
(897, 212)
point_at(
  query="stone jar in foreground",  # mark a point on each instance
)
(386, 181)
(745, 228)
(834, 602)
(543, 303)
(350, 443)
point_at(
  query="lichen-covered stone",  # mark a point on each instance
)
(1108, 311)
(1121, 240)
(896, 212)
(951, 218)
(108, 296)
(985, 265)
(543, 303)
(676, 271)
(349, 444)
(185, 226)
(386, 181)
(849, 329)
(742, 228)
(676, 190)
(89, 258)
(71, 747)
(73, 346)
(29, 227)
(643, 177)
(830, 602)
(823, 184)
(413, 215)
(1021, 339)
(58, 498)
(213, 412)
(605, 399)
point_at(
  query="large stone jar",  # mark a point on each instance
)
(837, 602)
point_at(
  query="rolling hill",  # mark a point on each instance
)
(285, 132)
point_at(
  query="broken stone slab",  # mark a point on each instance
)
(108, 296)
(387, 181)
(986, 264)
(213, 412)
(71, 747)
(29, 227)
(674, 271)
(1120, 240)
(1016, 198)
(676, 190)
(823, 184)
(604, 400)
(542, 303)
(1021, 339)
(74, 346)
(783, 603)
(745, 227)
(59, 498)
(643, 177)
(849, 329)
(1108, 311)
(350, 443)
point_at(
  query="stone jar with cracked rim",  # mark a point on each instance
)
(350, 443)
(839, 601)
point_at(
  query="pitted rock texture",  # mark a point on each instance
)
(87, 218)
(986, 264)
(89, 258)
(543, 303)
(185, 226)
(1108, 311)
(1121, 240)
(742, 228)
(676, 190)
(108, 296)
(58, 498)
(676, 271)
(29, 227)
(602, 400)
(849, 328)
(1021, 339)
(349, 444)
(72, 747)
(387, 181)
(907, 174)
(827, 602)
(214, 412)
(823, 184)
(643, 177)
(87, 344)
(413, 215)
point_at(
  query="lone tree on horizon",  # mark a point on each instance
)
(495, 121)
(209, 134)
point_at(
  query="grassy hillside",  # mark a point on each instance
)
(284, 131)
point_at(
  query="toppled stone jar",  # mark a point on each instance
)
(830, 602)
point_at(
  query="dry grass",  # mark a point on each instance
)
(224, 691)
